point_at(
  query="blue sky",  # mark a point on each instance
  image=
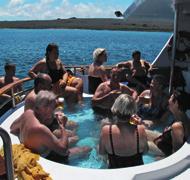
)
(53, 9)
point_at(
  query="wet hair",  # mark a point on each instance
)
(182, 99)
(124, 107)
(9, 66)
(135, 53)
(50, 47)
(44, 99)
(160, 79)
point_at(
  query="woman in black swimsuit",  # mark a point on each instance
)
(153, 102)
(53, 66)
(175, 135)
(123, 142)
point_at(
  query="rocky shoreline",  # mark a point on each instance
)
(94, 23)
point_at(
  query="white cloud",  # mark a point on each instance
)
(44, 9)
(15, 2)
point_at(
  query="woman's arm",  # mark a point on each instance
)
(40, 66)
(63, 81)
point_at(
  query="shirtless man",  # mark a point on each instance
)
(138, 70)
(41, 82)
(31, 128)
(9, 77)
(97, 72)
(108, 91)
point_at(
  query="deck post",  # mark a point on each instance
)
(7, 146)
(174, 46)
(13, 97)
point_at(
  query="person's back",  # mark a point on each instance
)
(126, 149)
(123, 142)
(28, 127)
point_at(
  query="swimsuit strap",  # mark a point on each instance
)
(111, 139)
(138, 150)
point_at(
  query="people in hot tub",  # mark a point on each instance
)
(53, 66)
(96, 72)
(174, 136)
(123, 142)
(108, 91)
(139, 69)
(152, 103)
(31, 128)
(43, 82)
(8, 78)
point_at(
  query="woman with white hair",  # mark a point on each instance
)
(97, 72)
(125, 141)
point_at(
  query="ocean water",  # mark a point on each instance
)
(25, 47)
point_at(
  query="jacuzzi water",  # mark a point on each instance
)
(88, 132)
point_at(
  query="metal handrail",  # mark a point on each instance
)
(7, 146)
(11, 86)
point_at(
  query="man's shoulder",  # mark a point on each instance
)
(105, 84)
(30, 100)
(145, 62)
(2, 79)
(105, 128)
(29, 112)
(31, 94)
(41, 62)
(128, 62)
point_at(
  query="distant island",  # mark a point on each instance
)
(150, 15)
(91, 23)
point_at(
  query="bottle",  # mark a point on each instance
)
(60, 106)
(147, 99)
(135, 120)
(60, 103)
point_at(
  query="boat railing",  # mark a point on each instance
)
(14, 97)
(78, 70)
(7, 147)
(83, 69)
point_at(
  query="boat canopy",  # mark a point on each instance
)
(181, 1)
